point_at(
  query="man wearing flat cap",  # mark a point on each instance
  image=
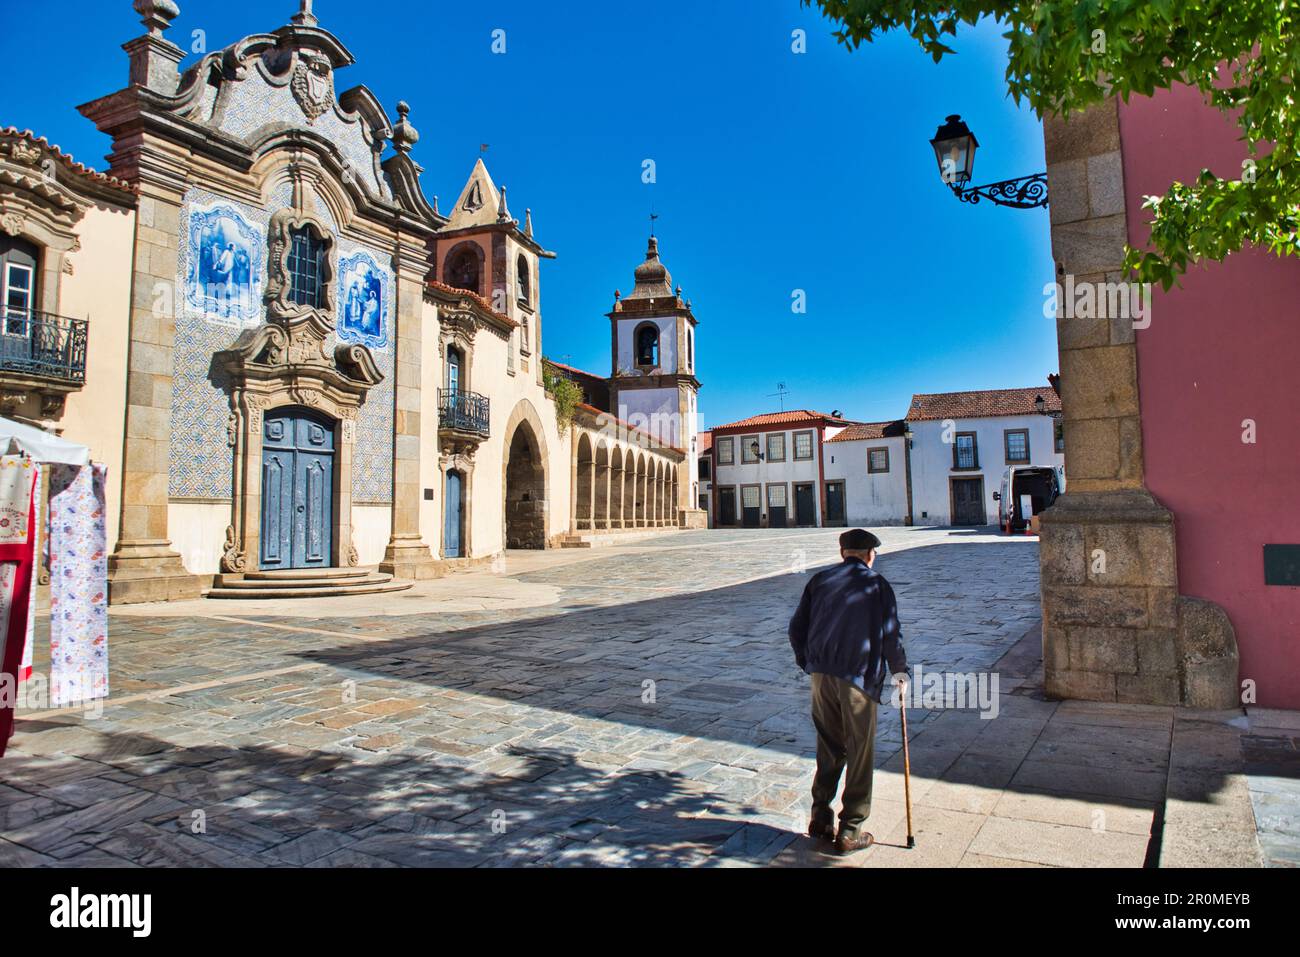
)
(845, 635)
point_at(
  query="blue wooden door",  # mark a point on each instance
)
(297, 490)
(452, 507)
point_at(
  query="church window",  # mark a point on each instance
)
(306, 256)
(521, 277)
(463, 269)
(690, 350)
(647, 345)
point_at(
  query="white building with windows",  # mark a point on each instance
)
(769, 471)
(962, 442)
(870, 458)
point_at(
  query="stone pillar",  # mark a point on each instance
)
(606, 480)
(1114, 625)
(407, 554)
(143, 566)
(573, 481)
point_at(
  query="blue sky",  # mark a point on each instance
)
(775, 172)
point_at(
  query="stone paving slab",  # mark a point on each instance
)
(630, 706)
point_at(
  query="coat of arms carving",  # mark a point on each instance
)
(313, 84)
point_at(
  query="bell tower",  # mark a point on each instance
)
(652, 350)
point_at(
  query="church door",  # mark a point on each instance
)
(297, 489)
(454, 505)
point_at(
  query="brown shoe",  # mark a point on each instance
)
(848, 843)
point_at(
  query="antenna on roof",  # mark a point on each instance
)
(781, 392)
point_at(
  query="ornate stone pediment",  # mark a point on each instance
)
(313, 84)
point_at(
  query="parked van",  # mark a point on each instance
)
(1043, 485)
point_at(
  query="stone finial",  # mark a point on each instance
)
(503, 212)
(157, 15)
(528, 223)
(617, 295)
(404, 134)
(304, 16)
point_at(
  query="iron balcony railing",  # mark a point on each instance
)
(463, 411)
(41, 344)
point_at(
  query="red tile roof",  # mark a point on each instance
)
(705, 441)
(473, 297)
(79, 168)
(978, 405)
(793, 417)
(574, 370)
(869, 430)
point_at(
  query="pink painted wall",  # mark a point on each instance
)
(1223, 348)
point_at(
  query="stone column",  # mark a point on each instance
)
(1114, 625)
(143, 566)
(407, 554)
(607, 520)
(573, 481)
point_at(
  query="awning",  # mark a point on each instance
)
(16, 438)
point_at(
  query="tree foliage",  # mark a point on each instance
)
(564, 392)
(1065, 55)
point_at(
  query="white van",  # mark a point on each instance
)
(1034, 486)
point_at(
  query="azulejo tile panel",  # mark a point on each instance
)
(200, 455)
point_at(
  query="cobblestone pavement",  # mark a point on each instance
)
(627, 705)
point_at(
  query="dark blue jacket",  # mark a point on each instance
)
(847, 626)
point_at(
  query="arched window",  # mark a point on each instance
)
(523, 280)
(306, 268)
(647, 345)
(462, 269)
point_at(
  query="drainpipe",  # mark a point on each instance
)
(907, 459)
(821, 473)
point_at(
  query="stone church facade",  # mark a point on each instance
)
(298, 369)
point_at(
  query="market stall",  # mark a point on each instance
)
(51, 494)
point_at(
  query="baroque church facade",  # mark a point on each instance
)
(304, 377)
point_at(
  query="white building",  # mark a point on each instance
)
(962, 442)
(768, 471)
(871, 460)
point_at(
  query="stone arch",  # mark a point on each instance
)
(601, 493)
(456, 267)
(584, 487)
(616, 481)
(524, 479)
(640, 497)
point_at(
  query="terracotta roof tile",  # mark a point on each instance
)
(792, 417)
(977, 405)
(473, 297)
(705, 441)
(79, 168)
(869, 430)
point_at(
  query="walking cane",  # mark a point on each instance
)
(907, 771)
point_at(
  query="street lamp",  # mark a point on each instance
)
(756, 449)
(954, 149)
(1040, 406)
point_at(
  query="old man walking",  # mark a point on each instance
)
(845, 635)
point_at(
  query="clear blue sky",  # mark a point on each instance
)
(776, 172)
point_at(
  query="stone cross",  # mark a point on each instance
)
(304, 16)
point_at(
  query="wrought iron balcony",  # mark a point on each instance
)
(463, 412)
(39, 345)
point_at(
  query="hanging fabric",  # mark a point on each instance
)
(38, 515)
(78, 585)
(17, 554)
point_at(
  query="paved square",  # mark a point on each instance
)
(628, 705)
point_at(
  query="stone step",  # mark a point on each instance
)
(292, 574)
(319, 581)
(318, 590)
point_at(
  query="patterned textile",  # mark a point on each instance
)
(78, 585)
(17, 545)
(25, 669)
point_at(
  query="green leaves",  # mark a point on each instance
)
(1065, 55)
